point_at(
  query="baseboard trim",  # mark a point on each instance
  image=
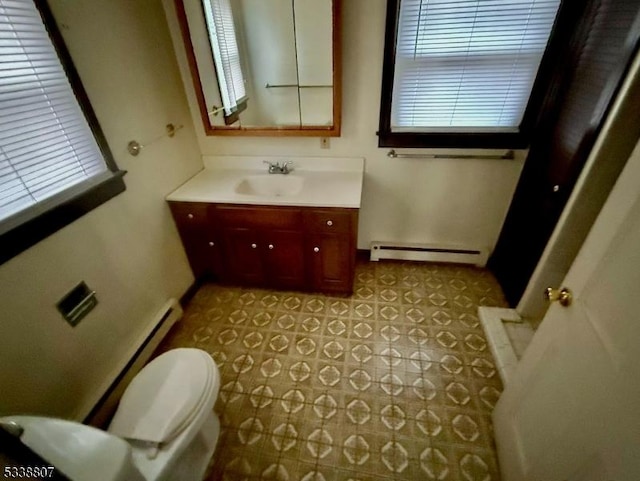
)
(191, 291)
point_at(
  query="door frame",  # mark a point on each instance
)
(533, 174)
(606, 160)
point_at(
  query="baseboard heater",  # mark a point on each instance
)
(429, 253)
(102, 411)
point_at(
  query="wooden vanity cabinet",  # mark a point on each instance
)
(263, 245)
(198, 237)
(331, 248)
(300, 248)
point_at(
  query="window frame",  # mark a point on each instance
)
(32, 231)
(481, 139)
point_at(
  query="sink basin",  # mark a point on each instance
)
(272, 185)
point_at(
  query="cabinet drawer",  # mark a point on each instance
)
(328, 220)
(189, 213)
(259, 217)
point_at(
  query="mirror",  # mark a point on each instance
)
(264, 67)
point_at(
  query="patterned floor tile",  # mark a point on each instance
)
(395, 382)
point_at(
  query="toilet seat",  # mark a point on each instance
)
(165, 396)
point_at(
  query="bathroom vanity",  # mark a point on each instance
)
(298, 231)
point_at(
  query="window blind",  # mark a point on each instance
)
(47, 148)
(467, 65)
(222, 36)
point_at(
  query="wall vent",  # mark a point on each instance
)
(431, 253)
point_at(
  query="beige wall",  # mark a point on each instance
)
(445, 202)
(127, 249)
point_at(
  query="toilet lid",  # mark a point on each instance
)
(165, 395)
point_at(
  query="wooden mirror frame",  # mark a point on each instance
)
(301, 131)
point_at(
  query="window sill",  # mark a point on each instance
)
(26, 235)
(234, 116)
(468, 140)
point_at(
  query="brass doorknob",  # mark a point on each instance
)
(563, 296)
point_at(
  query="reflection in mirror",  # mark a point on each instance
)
(223, 41)
(264, 67)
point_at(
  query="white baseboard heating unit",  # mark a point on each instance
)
(431, 253)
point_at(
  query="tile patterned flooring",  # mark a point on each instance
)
(395, 382)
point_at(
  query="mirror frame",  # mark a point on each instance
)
(301, 131)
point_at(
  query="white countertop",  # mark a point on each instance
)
(328, 182)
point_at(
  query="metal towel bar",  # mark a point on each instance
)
(508, 155)
(276, 86)
(134, 147)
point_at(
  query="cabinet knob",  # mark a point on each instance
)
(253, 246)
(316, 249)
(212, 244)
(329, 223)
(190, 216)
(270, 246)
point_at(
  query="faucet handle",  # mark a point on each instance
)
(285, 169)
(273, 166)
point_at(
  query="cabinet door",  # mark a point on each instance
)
(203, 252)
(284, 258)
(242, 254)
(332, 261)
(210, 255)
(194, 241)
(191, 221)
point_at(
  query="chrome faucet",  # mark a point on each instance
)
(276, 168)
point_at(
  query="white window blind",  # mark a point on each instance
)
(467, 65)
(47, 150)
(222, 36)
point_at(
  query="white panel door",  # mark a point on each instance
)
(314, 37)
(573, 409)
(271, 46)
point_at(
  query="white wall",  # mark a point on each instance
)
(127, 249)
(452, 202)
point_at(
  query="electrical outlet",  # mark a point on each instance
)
(324, 143)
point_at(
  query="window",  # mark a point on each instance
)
(54, 163)
(226, 56)
(462, 72)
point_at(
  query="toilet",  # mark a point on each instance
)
(164, 427)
